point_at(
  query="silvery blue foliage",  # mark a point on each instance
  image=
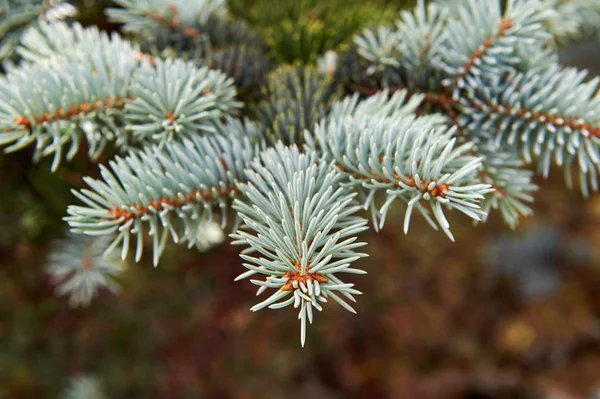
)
(302, 225)
(545, 116)
(448, 106)
(49, 40)
(79, 269)
(380, 46)
(103, 94)
(490, 68)
(383, 104)
(199, 31)
(166, 193)
(485, 38)
(16, 16)
(423, 34)
(70, 99)
(145, 16)
(415, 41)
(394, 156)
(174, 98)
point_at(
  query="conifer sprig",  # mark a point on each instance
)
(491, 69)
(407, 158)
(172, 192)
(104, 94)
(422, 33)
(174, 98)
(302, 225)
(49, 40)
(484, 40)
(544, 115)
(70, 99)
(17, 16)
(146, 16)
(448, 106)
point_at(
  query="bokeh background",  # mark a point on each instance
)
(498, 314)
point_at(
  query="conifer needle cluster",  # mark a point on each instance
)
(441, 112)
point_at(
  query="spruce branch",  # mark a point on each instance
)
(446, 103)
(302, 224)
(544, 116)
(418, 37)
(422, 34)
(175, 98)
(406, 158)
(143, 17)
(412, 45)
(16, 16)
(49, 40)
(474, 76)
(417, 44)
(172, 191)
(69, 99)
(483, 40)
(104, 94)
(502, 169)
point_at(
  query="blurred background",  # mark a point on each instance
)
(498, 314)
